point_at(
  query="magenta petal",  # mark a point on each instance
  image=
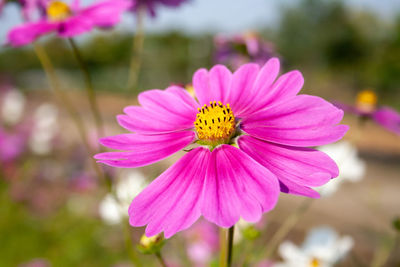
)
(143, 149)
(171, 203)
(183, 95)
(106, 13)
(74, 26)
(262, 85)
(237, 186)
(241, 93)
(27, 33)
(213, 85)
(388, 118)
(293, 166)
(287, 86)
(301, 121)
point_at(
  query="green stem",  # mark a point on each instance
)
(160, 259)
(91, 94)
(286, 227)
(66, 102)
(231, 233)
(223, 248)
(137, 51)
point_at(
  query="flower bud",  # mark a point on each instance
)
(151, 245)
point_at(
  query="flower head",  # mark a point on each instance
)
(69, 20)
(239, 49)
(366, 107)
(252, 134)
(322, 248)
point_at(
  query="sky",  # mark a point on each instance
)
(211, 16)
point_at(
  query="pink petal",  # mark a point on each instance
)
(262, 86)
(237, 186)
(106, 13)
(29, 32)
(161, 112)
(388, 118)
(213, 85)
(184, 96)
(143, 149)
(171, 203)
(300, 167)
(301, 121)
(241, 93)
(74, 26)
(286, 87)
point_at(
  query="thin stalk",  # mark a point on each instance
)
(285, 228)
(231, 233)
(91, 94)
(137, 51)
(223, 248)
(160, 259)
(66, 102)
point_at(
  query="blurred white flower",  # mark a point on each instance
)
(12, 107)
(45, 127)
(240, 226)
(351, 167)
(113, 210)
(322, 248)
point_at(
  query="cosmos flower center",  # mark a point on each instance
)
(58, 10)
(215, 123)
(366, 101)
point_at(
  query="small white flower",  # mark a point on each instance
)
(351, 167)
(44, 129)
(13, 105)
(114, 209)
(322, 248)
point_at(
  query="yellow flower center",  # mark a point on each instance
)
(315, 263)
(366, 101)
(215, 124)
(58, 10)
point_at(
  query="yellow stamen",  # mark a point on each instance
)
(215, 123)
(315, 263)
(366, 101)
(58, 10)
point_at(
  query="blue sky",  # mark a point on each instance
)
(230, 16)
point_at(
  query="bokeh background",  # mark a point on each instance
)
(50, 197)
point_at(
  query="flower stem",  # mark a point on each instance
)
(285, 228)
(226, 246)
(137, 51)
(91, 94)
(160, 259)
(66, 102)
(222, 247)
(231, 233)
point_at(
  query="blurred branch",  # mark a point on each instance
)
(286, 227)
(91, 94)
(66, 102)
(137, 51)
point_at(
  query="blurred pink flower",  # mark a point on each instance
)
(240, 49)
(252, 131)
(366, 107)
(69, 20)
(202, 242)
(150, 5)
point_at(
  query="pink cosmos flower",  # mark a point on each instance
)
(150, 5)
(366, 108)
(253, 133)
(69, 21)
